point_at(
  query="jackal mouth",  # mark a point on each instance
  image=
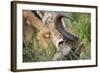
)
(61, 44)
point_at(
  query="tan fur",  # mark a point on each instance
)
(43, 32)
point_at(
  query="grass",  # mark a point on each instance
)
(80, 26)
(33, 52)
